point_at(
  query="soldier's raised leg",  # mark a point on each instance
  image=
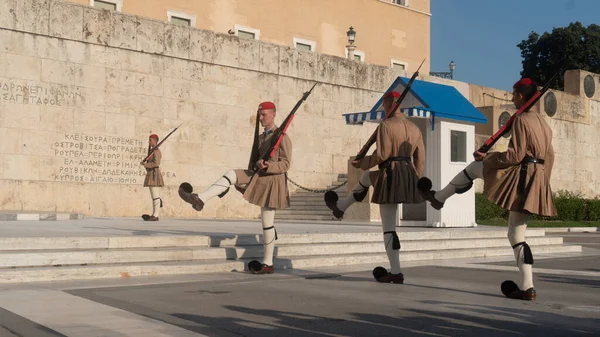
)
(218, 188)
(461, 183)
(359, 192)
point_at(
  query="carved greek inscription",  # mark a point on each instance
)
(101, 159)
(37, 94)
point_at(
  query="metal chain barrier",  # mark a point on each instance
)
(498, 98)
(317, 190)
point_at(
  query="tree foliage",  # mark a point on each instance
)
(565, 48)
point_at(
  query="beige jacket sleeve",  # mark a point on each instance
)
(154, 161)
(282, 165)
(517, 148)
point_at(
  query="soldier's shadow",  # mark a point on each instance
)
(246, 248)
(430, 318)
(571, 280)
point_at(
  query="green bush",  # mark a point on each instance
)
(593, 210)
(569, 206)
(487, 210)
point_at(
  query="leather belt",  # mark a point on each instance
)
(388, 170)
(528, 160)
(391, 159)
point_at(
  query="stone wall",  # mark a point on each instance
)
(81, 89)
(575, 139)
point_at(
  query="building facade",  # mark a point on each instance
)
(393, 33)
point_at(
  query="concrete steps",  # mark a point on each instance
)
(310, 206)
(103, 271)
(304, 211)
(301, 262)
(310, 217)
(38, 216)
(59, 257)
(42, 274)
(321, 208)
(101, 242)
(65, 258)
(314, 199)
(299, 204)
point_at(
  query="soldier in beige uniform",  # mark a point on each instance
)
(517, 180)
(263, 184)
(400, 156)
(154, 179)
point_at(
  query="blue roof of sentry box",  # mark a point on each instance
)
(436, 100)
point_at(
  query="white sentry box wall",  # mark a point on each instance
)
(458, 210)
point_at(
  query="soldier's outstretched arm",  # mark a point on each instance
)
(516, 151)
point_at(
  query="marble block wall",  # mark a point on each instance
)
(82, 88)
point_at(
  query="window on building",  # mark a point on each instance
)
(180, 21)
(180, 18)
(401, 65)
(400, 2)
(398, 66)
(246, 35)
(357, 57)
(247, 32)
(303, 44)
(458, 146)
(107, 4)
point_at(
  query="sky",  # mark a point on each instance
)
(481, 36)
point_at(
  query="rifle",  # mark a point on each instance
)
(276, 140)
(254, 152)
(506, 127)
(363, 152)
(157, 145)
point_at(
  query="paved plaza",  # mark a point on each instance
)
(457, 297)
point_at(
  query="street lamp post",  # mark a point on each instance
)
(445, 74)
(351, 37)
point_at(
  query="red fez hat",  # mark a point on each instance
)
(266, 106)
(153, 136)
(524, 81)
(394, 94)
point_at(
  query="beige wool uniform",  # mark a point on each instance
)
(268, 188)
(153, 174)
(396, 181)
(531, 137)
